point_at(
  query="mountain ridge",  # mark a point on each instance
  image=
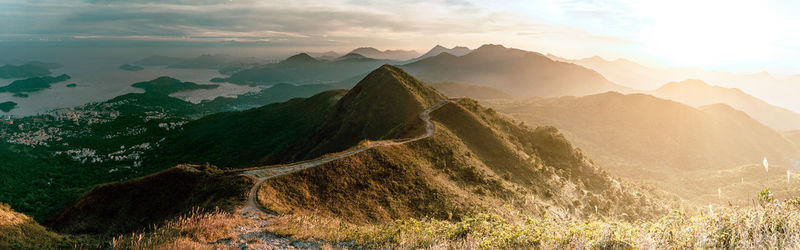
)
(699, 93)
(397, 55)
(520, 72)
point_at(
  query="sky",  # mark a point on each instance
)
(727, 35)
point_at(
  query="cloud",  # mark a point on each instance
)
(178, 2)
(335, 23)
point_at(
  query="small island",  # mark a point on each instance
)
(21, 71)
(167, 85)
(33, 84)
(72, 85)
(20, 95)
(7, 106)
(130, 67)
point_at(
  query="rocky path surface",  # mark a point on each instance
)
(255, 236)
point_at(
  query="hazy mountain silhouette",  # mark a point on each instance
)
(303, 69)
(521, 73)
(647, 138)
(778, 91)
(699, 93)
(324, 56)
(438, 49)
(397, 55)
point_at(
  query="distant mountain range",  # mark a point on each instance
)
(396, 55)
(438, 49)
(647, 138)
(698, 93)
(305, 69)
(775, 90)
(521, 73)
(324, 56)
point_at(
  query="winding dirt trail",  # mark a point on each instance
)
(254, 235)
(262, 174)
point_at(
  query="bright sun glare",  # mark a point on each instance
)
(706, 33)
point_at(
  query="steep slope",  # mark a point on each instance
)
(137, 204)
(698, 93)
(237, 139)
(305, 128)
(383, 105)
(18, 231)
(514, 71)
(646, 138)
(476, 161)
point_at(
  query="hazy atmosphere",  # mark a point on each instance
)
(248, 124)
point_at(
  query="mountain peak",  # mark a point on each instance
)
(365, 49)
(596, 59)
(497, 51)
(351, 55)
(384, 105)
(300, 58)
(391, 77)
(490, 47)
(439, 49)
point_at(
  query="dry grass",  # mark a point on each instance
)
(18, 231)
(772, 225)
(477, 160)
(11, 218)
(192, 231)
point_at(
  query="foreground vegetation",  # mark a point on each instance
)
(772, 224)
(192, 231)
